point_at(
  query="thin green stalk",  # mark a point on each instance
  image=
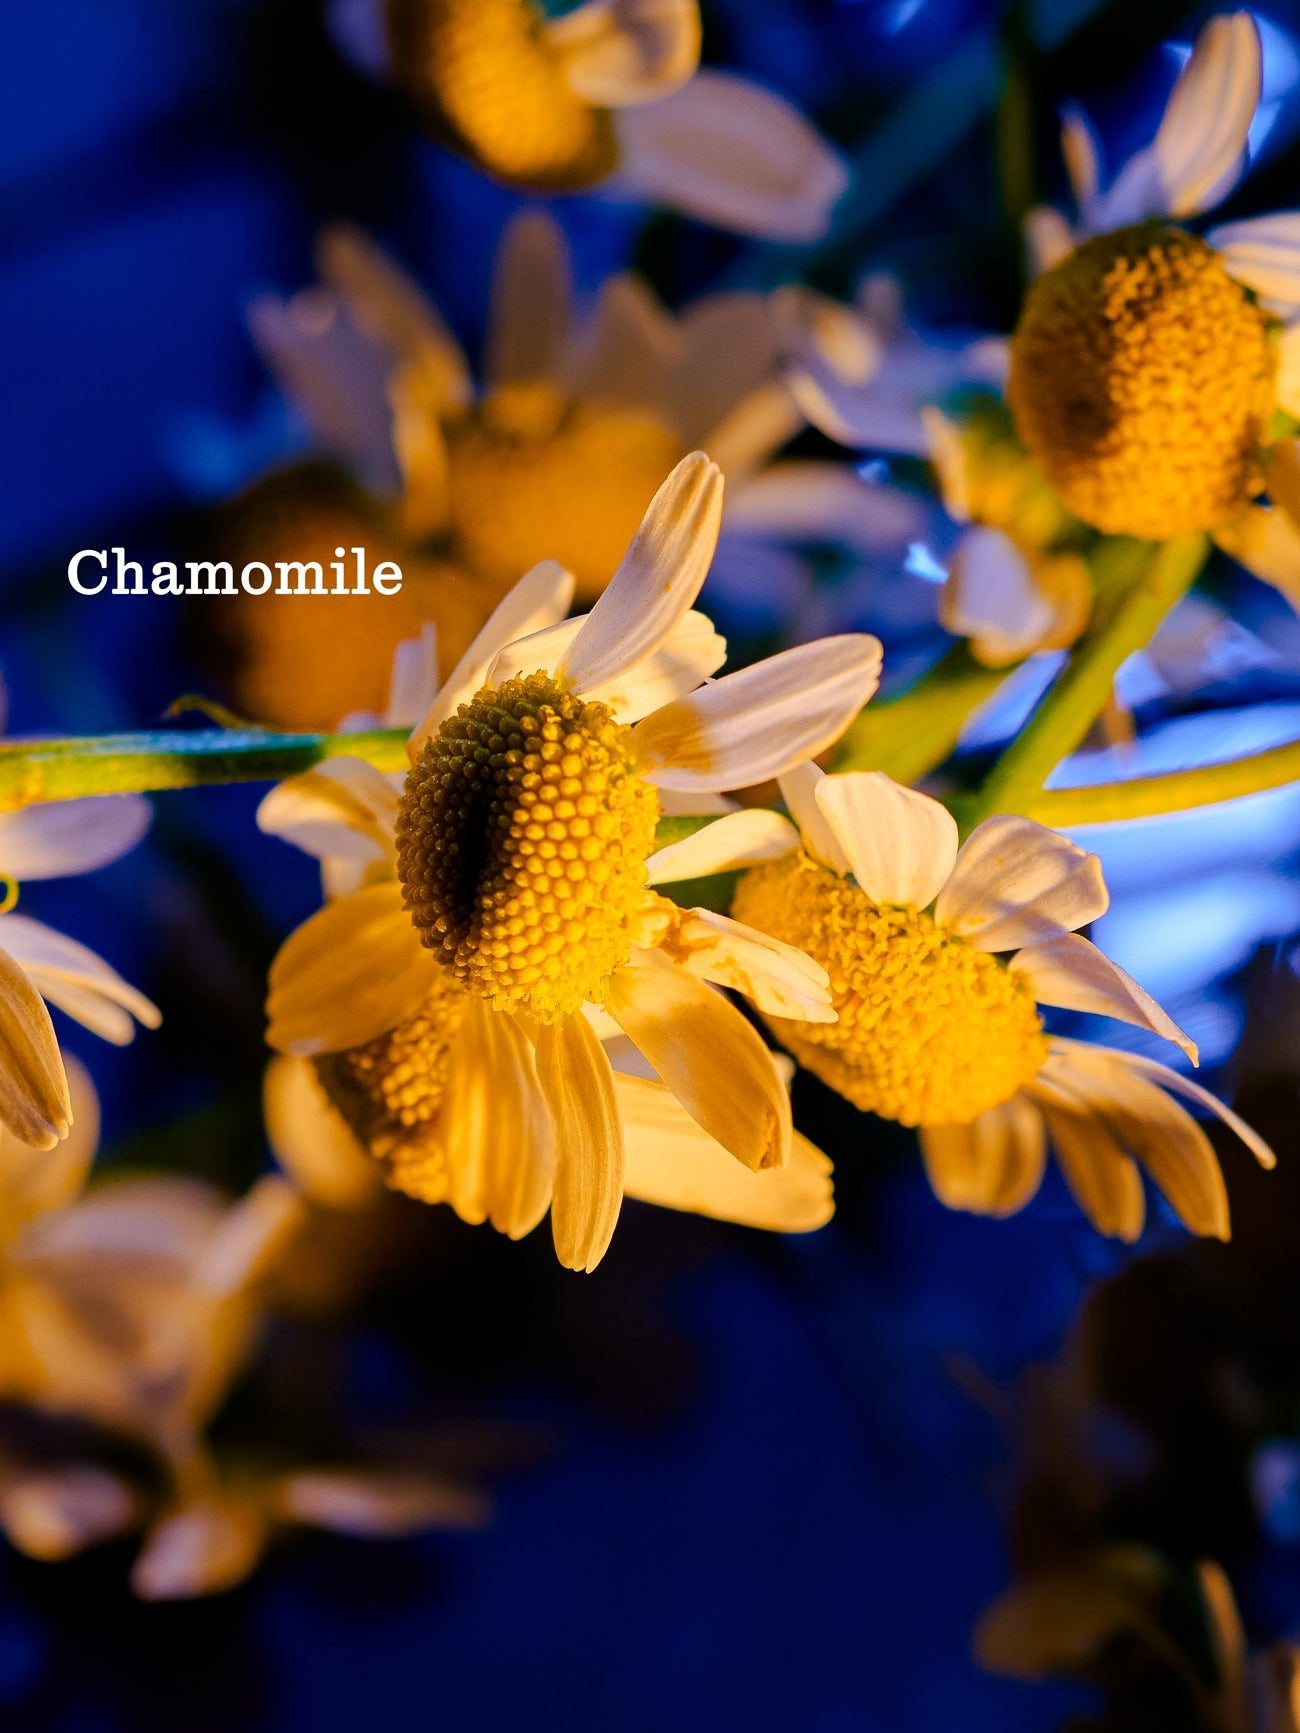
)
(1079, 694)
(1173, 791)
(144, 763)
(909, 735)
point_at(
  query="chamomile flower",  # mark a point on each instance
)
(939, 1029)
(37, 964)
(609, 96)
(451, 1001)
(1151, 367)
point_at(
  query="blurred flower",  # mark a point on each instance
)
(47, 841)
(1155, 375)
(521, 848)
(935, 1031)
(608, 96)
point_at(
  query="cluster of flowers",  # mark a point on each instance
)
(505, 1004)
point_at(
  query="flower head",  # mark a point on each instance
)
(939, 1029)
(519, 867)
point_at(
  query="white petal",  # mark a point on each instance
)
(528, 326)
(992, 1166)
(353, 971)
(1016, 883)
(900, 844)
(656, 582)
(414, 683)
(672, 1162)
(201, 1548)
(688, 655)
(779, 979)
(617, 53)
(578, 1083)
(740, 839)
(755, 429)
(1071, 972)
(1048, 239)
(311, 1142)
(629, 350)
(376, 1504)
(1267, 543)
(799, 791)
(1288, 369)
(991, 597)
(59, 1511)
(74, 978)
(58, 838)
(727, 350)
(1201, 143)
(1080, 150)
(712, 1059)
(701, 805)
(540, 598)
(1264, 254)
(733, 154)
(761, 721)
(250, 1239)
(498, 1127)
(808, 500)
(1098, 1169)
(342, 809)
(1177, 1084)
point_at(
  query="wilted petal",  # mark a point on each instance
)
(992, 1166)
(34, 1103)
(579, 1085)
(1071, 972)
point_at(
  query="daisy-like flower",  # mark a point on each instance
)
(940, 1029)
(610, 96)
(1154, 372)
(580, 413)
(446, 1001)
(37, 964)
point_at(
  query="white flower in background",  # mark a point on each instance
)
(446, 1001)
(609, 96)
(939, 1028)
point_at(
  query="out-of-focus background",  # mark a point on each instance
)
(737, 1481)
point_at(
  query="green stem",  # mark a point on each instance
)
(142, 763)
(909, 735)
(1174, 791)
(1079, 694)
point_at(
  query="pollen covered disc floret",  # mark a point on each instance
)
(930, 1030)
(522, 839)
(1142, 379)
(485, 69)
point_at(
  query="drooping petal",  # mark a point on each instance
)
(993, 1166)
(578, 1082)
(740, 839)
(1200, 147)
(900, 844)
(779, 979)
(688, 655)
(540, 598)
(34, 1101)
(713, 1060)
(656, 582)
(77, 980)
(1101, 1175)
(33, 1181)
(499, 1132)
(528, 326)
(763, 720)
(1017, 883)
(1151, 1128)
(799, 791)
(310, 1140)
(733, 154)
(1264, 254)
(1071, 972)
(618, 53)
(342, 809)
(1177, 1084)
(56, 839)
(353, 971)
(673, 1162)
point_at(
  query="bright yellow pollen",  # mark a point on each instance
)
(389, 1092)
(930, 1031)
(533, 477)
(1142, 381)
(522, 840)
(486, 77)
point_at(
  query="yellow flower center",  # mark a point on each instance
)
(532, 477)
(1142, 381)
(522, 840)
(389, 1092)
(487, 78)
(930, 1031)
